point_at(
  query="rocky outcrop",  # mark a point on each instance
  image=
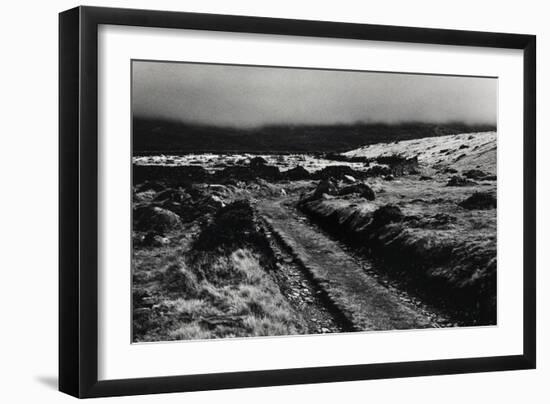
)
(474, 174)
(295, 174)
(458, 181)
(360, 189)
(480, 201)
(152, 218)
(378, 171)
(325, 187)
(337, 173)
(257, 162)
(399, 165)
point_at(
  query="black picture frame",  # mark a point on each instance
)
(78, 203)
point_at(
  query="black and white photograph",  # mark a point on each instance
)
(274, 201)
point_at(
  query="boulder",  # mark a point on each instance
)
(171, 194)
(480, 201)
(241, 173)
(145, 196)
(458, 181)
(325, 187)
(296, 173)
(257, 162)
(385, 215)
(361, 189)
(377, 171)
(336, 172)
(405, 167)
(489, 178)
(231, 226)
(268, 172)
(177, 278)
(449, 170)
(155, 186)
(474, 174)
(149, 218)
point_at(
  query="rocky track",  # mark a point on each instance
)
(326, 272)
(301, 290)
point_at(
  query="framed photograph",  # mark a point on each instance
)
(251, 201)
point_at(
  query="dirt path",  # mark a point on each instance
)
(302, 292)
(360, 298)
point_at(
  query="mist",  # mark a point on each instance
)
(246, 96)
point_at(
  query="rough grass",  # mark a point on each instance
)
(446, 253)
(247, 303)
(216, 286)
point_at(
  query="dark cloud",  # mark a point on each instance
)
(251, 96)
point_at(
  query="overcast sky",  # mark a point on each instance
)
(245, 96)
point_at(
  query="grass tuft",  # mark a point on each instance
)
(220, 290)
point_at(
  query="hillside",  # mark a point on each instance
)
(435, 229)
(160, 136)
(460, 152)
